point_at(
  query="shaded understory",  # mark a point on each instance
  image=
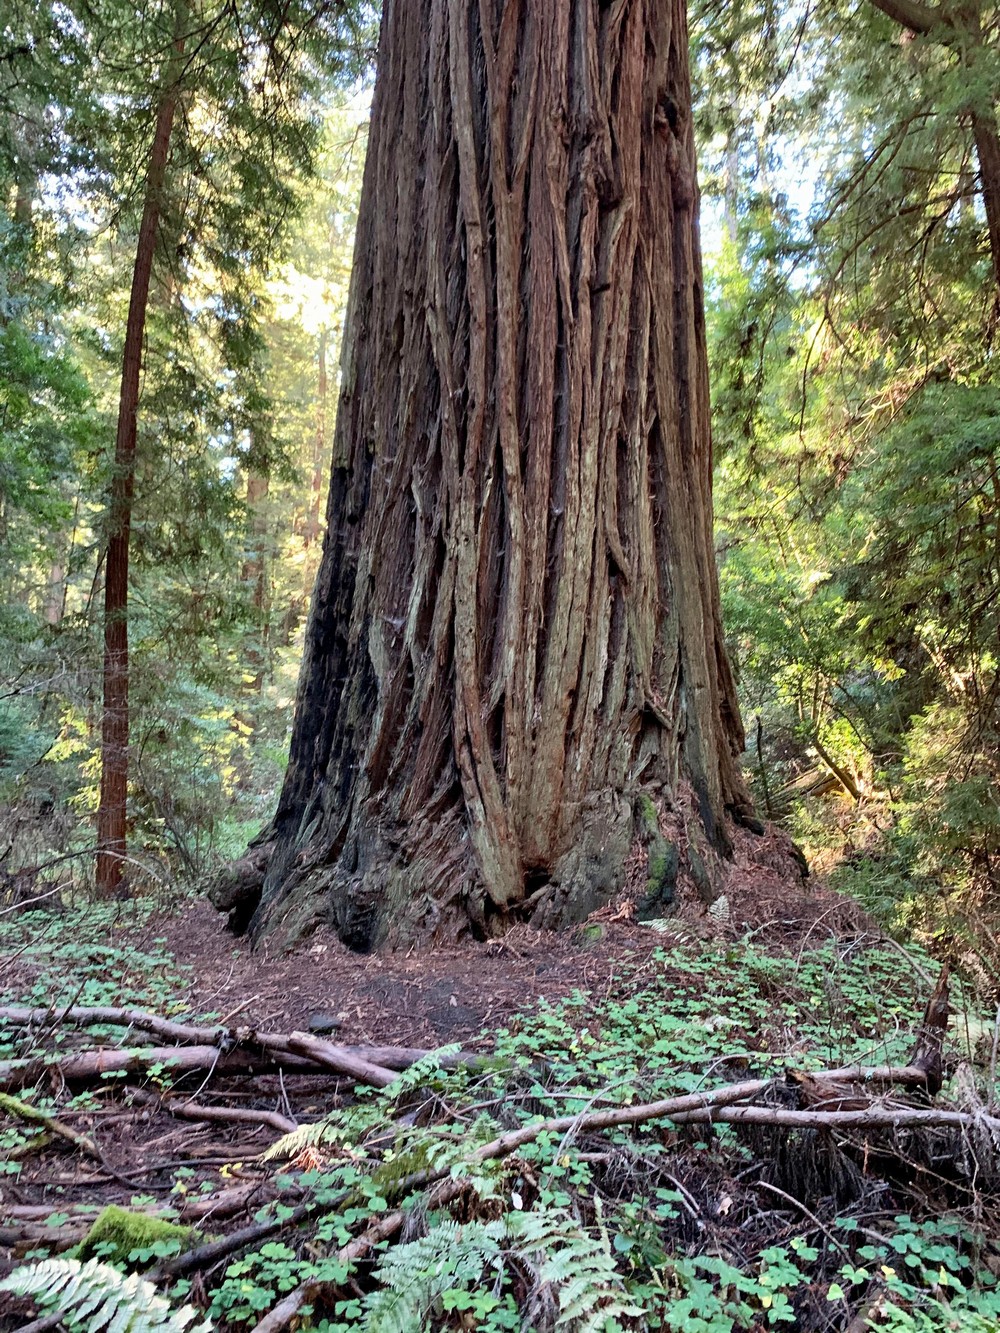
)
(696, 1227)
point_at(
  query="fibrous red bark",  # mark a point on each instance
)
(516, 625)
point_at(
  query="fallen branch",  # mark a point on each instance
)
(212, 1251)
(197, 1208)
(41, 1325)
(389, 1057)
(672, 1108)
(185, 1110)
(13, 1106)
(716, 1102)
(372, 1065)
(874, 1118)
(727, 1104)
(34, 1234)
(93, 1015)
(90, 1066)
(340, 1061)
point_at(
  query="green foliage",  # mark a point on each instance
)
(462, 1268)
(596, 1232)
(250, 278)
(851, 301)
(93, 1296)
(546, 1239)
(252, 1285)
(432, 1276)
(355, 1122)
(78, 955)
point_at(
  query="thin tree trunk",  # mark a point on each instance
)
(516, 622)
(320, 447)
(984, 128)
(55, 594)
(255, 574)
(111, 815)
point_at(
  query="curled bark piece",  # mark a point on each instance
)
(930, 1039)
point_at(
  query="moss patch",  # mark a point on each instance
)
(127, 1232)
(661, 880)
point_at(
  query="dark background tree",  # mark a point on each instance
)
(112, 811)
(516, 624)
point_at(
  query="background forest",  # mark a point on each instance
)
(853, 309)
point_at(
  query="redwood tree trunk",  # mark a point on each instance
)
(111, 814)
(515, 627)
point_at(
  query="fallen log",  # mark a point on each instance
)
(90, 1066)
(401, 1057)
(367, 1064)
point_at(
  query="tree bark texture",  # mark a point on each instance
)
(516, 622)
(112, 810)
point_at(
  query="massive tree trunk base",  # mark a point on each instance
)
(650, 853)
(516, 631)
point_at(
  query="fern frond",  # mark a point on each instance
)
(579, 1268)
(94, 1296)
(414, 1276)
(320, 1134)
(354, 1123)
(420, 1072)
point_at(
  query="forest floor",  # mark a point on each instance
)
(428, 998)
(801, 976)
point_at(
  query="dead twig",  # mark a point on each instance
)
(189, 1110)
(797, 1203)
